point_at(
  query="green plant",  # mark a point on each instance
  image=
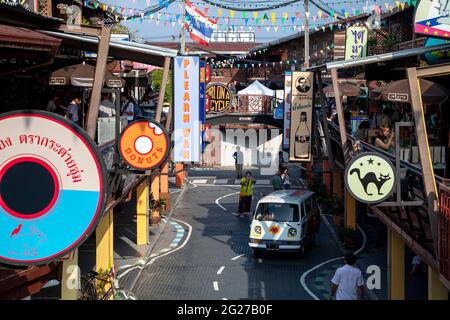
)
(102, 286)
(156, 79)
(157, 204)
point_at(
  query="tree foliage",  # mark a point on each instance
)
(156, 78)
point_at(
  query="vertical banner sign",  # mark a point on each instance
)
(287, 108)
(202, 100)
(355, 43)
(301, 117)
(207, 80)
(186, 109)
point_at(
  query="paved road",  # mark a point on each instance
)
(216, 262)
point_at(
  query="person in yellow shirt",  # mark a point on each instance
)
(245, 196)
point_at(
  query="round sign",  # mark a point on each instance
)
(52, 187)
(218, 96)
(144, 145)
(370, 178)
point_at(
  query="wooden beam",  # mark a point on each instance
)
(100, 67)
(434, 71)
(340, 112)
(325, 120)
(162, 89)
(426, 163)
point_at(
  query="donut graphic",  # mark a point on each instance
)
(144, 145)
(52, 187)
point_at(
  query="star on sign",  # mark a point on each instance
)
(361, 164)
(428, 23)
(379, 163)
(370, 161)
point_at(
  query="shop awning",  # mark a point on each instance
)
(124, 50)
(14, 36)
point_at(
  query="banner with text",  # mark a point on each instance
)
(356, 43)
(287, 108)
(301, 117)
(186, 109)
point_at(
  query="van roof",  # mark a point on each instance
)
(287, 196)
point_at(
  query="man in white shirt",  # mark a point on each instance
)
(106, 108)
(239, 162)
(73, 110)
(348, 281)
(127, 108)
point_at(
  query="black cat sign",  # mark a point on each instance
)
(370, 178)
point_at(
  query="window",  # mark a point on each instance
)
(277, 212)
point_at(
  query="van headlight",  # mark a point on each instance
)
(292, 232)
(257, 230)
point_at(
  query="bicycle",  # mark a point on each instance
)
(89, 288)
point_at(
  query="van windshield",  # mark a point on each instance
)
(279, 212)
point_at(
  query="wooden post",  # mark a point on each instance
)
(340, 112)
(325, 121)
(104, 237)
(165, 185)
(436, 290)
(350, 211)
(396, 266)
(337, 185)
(426, 164)
(142, 213)
(162, 89)
(179, 175)
(155, 216)
(100, 67)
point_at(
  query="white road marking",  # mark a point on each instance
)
(221, 270)
(305, 274)
(199, 181)
(224, 299)
(216, 286)
(237, 181)
(142, 264)
(220, 198)
(237, 257)
(220, 181)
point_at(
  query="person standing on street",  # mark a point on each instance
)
(245, 196)
(127, 108)
(348, 281)
(239, 162)
(286, 183)
(73, 109)
(277, 182)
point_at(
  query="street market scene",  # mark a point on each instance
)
(224, 150)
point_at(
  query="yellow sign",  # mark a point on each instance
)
(356, 43)
(219, 97)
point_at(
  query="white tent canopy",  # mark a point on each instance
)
(257, 88)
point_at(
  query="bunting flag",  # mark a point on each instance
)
(200, 26)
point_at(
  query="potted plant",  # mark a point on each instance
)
(157, 204)
(349, 237)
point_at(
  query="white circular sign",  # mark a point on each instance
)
(370, 178)
(52, 187)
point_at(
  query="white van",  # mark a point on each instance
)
(285, 220)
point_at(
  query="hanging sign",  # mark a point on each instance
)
(432, 19)
(301, 117)
(370, 178)
(202, 100)
(436, 57)
(355, 43)
(186, 109)
(287, 108)
(219, 97)
(52, 187)
(144, 145)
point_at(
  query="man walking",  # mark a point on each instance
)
(239, 162)
(277, 182)
(347, 282)
(73, 109)
(245, 196)
(127, 107)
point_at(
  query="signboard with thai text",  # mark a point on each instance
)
(52, 187)
(356, 43)
(186, 114)
(287, 108)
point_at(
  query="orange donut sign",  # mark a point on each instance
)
(144, 145)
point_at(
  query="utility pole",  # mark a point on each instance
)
(183, 31)
(306, 3)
